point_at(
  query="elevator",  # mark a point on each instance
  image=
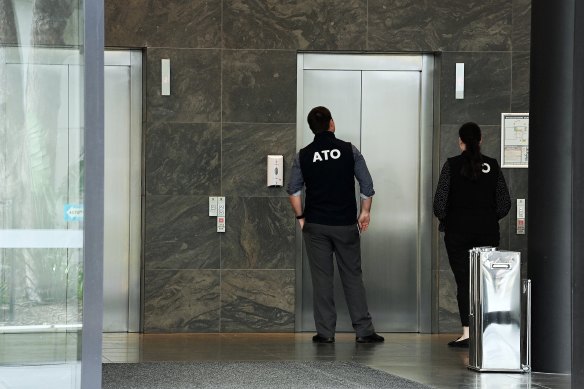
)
(383, 105)
(122, 190)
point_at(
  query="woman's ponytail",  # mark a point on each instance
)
(470, 135)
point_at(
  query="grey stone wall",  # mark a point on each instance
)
(234, 101)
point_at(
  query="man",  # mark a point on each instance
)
(328, 167)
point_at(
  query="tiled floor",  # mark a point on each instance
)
(422, 358)
(419, 357)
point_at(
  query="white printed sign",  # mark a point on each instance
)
(514, 140)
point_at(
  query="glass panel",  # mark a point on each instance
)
(41, 193)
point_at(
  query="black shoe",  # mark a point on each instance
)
(323, 339)
(373, 338)
(459, 343)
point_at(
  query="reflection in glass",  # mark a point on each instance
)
(41, 187)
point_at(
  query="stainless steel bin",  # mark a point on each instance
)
(499, 312)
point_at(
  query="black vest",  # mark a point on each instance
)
(328, 169)
(472, 205)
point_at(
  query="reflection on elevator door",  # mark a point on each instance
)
(377, 104)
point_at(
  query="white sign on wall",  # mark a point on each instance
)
(514, 140)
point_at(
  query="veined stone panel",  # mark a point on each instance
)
(259, 86)
(305, 24)
(487, 88)
(260, 234)
(195, 86)
(521, 25)
(257, 300)
(447, 25)
(183, 159)
(245, 150)
(520, 82)
(181, 301)
(170, 23)
(179, 234)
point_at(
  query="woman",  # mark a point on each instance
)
(471, 198)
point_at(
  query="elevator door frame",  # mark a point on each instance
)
(423, 63)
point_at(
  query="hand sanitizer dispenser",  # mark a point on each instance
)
(275, 170)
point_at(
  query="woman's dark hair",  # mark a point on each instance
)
(470, 135)
(319, 119)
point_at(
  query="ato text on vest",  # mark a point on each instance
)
(334, 154)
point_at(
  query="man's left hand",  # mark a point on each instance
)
(363, 221)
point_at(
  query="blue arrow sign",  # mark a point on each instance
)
(73, 212)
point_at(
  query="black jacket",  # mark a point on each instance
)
(327, 166)
(471, 206)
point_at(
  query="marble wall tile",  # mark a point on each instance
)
(491, 146)
(183, 159)
(517, 182)
(448, 142)
(179, 234)
(260, 234)
(245, 150)
(520, 84)
(521, 25)
(449, 318)
(181, 301)
(195, 86)
(487, 88)
(259, 86)
(448, 25)
(171, 23)
(305, 24)
(257, 300)
(8, 23)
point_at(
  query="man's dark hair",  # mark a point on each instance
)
(319, 119)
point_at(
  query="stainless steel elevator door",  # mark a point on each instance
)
(122, 191)
(116, 197)
(390, 138)
(340, 91)
(379, 111)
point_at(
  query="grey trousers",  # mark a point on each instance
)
(321, 242)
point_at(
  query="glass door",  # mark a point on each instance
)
(41, 211)
(43, 172)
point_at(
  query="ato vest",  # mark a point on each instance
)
(327, 166)
(472, 205)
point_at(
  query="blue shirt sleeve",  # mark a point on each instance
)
(296, 181)
(362, 174)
